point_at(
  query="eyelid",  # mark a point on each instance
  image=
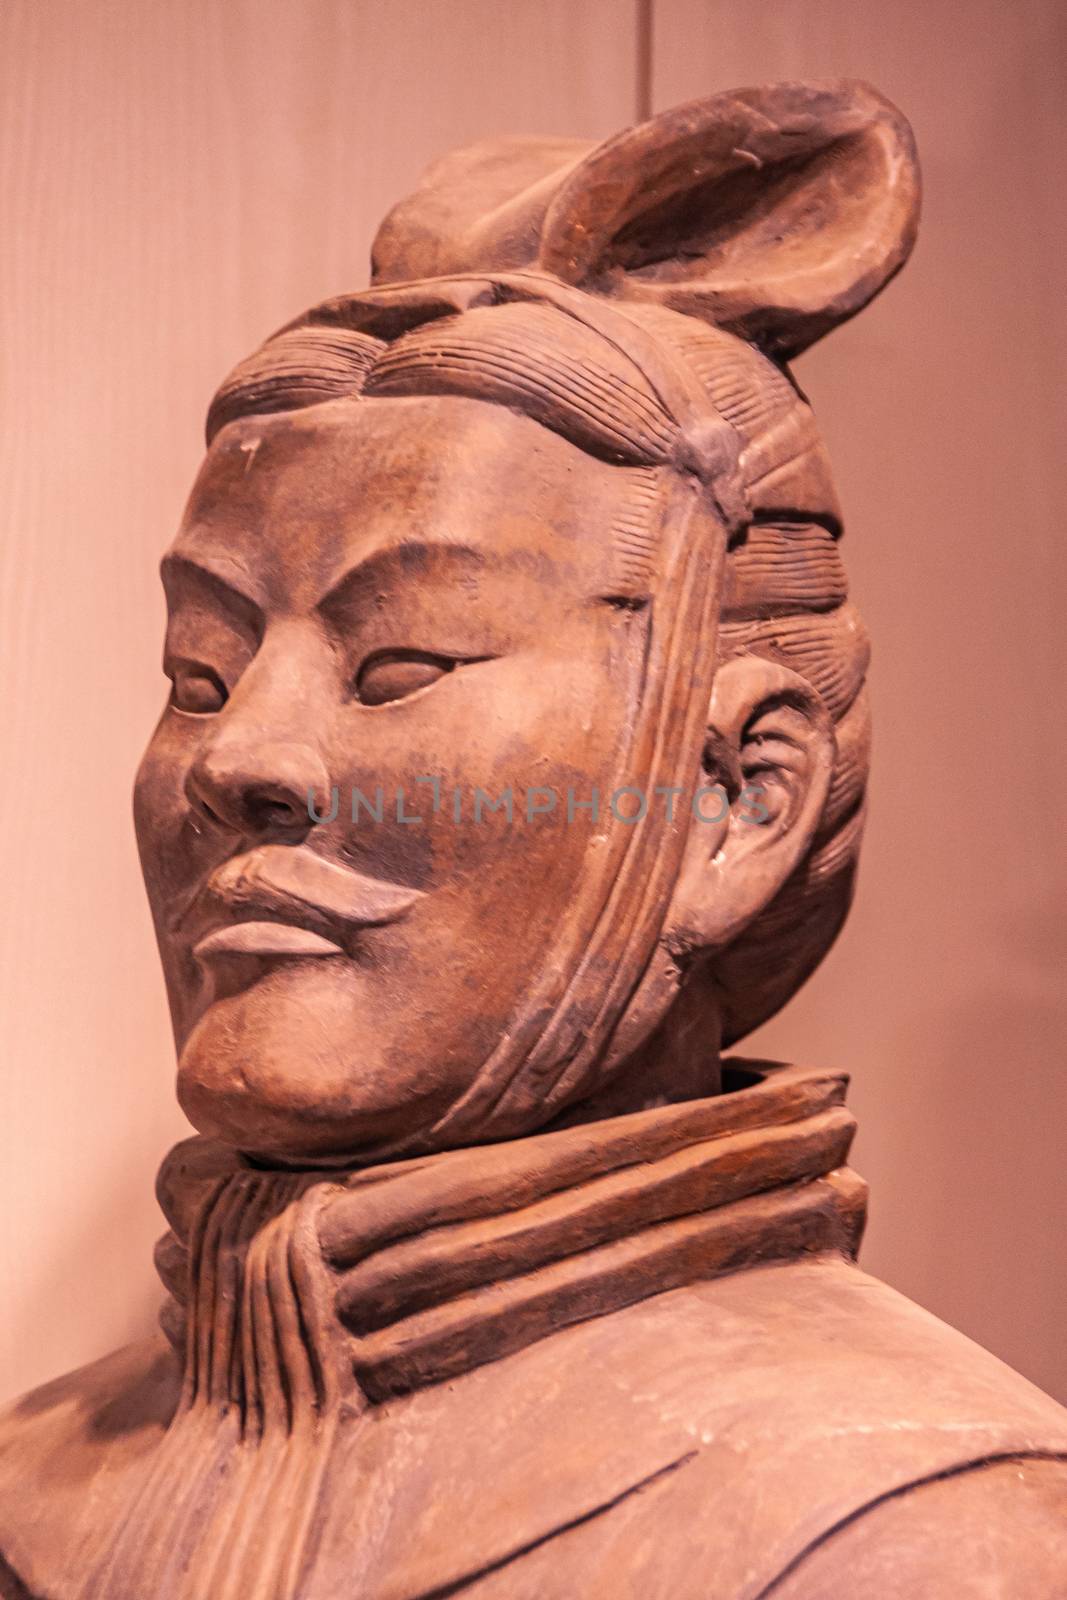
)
(204, 639)
(174, 662)
(404, 653)
(178, 668)
(401, 656)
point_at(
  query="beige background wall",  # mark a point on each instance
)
(179, 178)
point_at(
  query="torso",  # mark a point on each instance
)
(721, 1439)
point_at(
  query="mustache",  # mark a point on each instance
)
(294, 884)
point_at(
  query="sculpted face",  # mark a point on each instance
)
(364, 597)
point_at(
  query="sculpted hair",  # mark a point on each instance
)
(785, 593)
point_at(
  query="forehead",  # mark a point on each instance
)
(296, 497)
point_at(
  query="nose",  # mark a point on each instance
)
(257, 789)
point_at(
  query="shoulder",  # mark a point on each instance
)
(849, 1431)
(817, 1416)
(837, 1357)
(995, 1528)
(71, 1450)
(127, 1398)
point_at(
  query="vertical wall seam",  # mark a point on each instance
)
(645, 26)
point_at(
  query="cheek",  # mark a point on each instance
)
(508, 745)
(156, 789)
(527, 723)
(168, 846)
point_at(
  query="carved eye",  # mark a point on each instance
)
(197, 689)
(396, 673)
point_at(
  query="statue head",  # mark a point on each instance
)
(515, 756)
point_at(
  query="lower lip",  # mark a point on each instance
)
(264, 939)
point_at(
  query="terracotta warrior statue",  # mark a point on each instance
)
(513, 769)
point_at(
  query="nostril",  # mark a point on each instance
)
(256, 786)
(266, 809)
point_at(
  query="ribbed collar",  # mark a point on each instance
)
(384, 1280)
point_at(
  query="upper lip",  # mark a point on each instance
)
(294, 884)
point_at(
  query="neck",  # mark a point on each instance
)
(422, 1269)
(304, 1301)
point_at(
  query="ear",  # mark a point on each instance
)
(774, 212)
(768, 759)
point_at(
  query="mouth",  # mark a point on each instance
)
(288, 901)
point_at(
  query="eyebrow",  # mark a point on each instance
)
(418, 553)
(219, 575)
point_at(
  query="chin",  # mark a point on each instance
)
(282, 1071)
